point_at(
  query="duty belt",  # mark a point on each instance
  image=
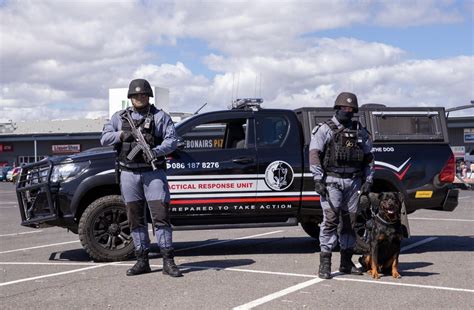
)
(344, 175)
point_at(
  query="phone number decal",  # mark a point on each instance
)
(194, 165)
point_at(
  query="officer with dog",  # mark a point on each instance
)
(143, 184)
(341, 161)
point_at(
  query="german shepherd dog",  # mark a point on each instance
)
(385, 238)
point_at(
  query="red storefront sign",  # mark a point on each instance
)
(6, 147)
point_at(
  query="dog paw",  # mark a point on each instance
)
(396, 275)
(375, 275)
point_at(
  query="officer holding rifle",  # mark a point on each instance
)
(143, 135)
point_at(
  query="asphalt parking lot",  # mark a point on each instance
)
(265, 268)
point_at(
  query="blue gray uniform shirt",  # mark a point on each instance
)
(164, 128)
(322, 134)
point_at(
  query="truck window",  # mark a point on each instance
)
(413, 125)
(222, 134)
(321, 118)
(272, 131)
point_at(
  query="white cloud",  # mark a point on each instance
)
(58, 58)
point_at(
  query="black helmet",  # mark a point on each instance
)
(139, 86)
(346, 100)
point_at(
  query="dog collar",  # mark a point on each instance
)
(384, 221)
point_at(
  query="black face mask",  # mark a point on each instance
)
(344, 117)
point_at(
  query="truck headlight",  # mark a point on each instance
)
(68, 171)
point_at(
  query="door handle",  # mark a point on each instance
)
(242, 160)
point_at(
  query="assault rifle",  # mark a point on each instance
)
(142, 145)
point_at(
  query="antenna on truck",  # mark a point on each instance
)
(197, 111)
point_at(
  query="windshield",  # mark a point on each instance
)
(184, 121)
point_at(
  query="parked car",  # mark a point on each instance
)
(12, 174)
(3, 172)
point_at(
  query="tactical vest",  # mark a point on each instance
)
(147, 127)
(344, 150)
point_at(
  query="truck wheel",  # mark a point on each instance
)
(312, 229)
(104, 230)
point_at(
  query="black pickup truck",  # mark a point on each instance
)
(242, 167)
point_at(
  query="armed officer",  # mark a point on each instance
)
(341, 162)
(143, 184)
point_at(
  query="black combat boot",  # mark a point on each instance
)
(169, 266)
(142, 265)
(347, 266)
(325, 265)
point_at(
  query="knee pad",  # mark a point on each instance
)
(136, 214)
(159, 211)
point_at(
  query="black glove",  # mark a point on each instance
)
(365, 188)
(126, 136)
(320, 188)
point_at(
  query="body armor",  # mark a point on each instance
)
(147, 127)
(344, 150)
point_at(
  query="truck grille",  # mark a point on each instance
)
(34, 193)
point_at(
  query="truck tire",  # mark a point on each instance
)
(312, 229)
(104, 230)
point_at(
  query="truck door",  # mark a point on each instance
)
(280, 153)
(214, 175)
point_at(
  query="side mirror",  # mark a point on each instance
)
(181, 143)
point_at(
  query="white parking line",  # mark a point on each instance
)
(194, 247)
(53, 274)
(38, 247)
(230, 240)
(435, 219)
(407, 285)
(313, 277)
(410, 246)
(265, 299)
(295, 288)
(21, 233)
(50, 263)
(251, 271)
(8, 202)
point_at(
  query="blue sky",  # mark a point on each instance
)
(190, 52)
(399, 53)
(420, 42)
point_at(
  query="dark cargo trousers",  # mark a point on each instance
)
(139, 191)
(340, 204)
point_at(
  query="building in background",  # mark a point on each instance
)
(26, 142)
(461, 137)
